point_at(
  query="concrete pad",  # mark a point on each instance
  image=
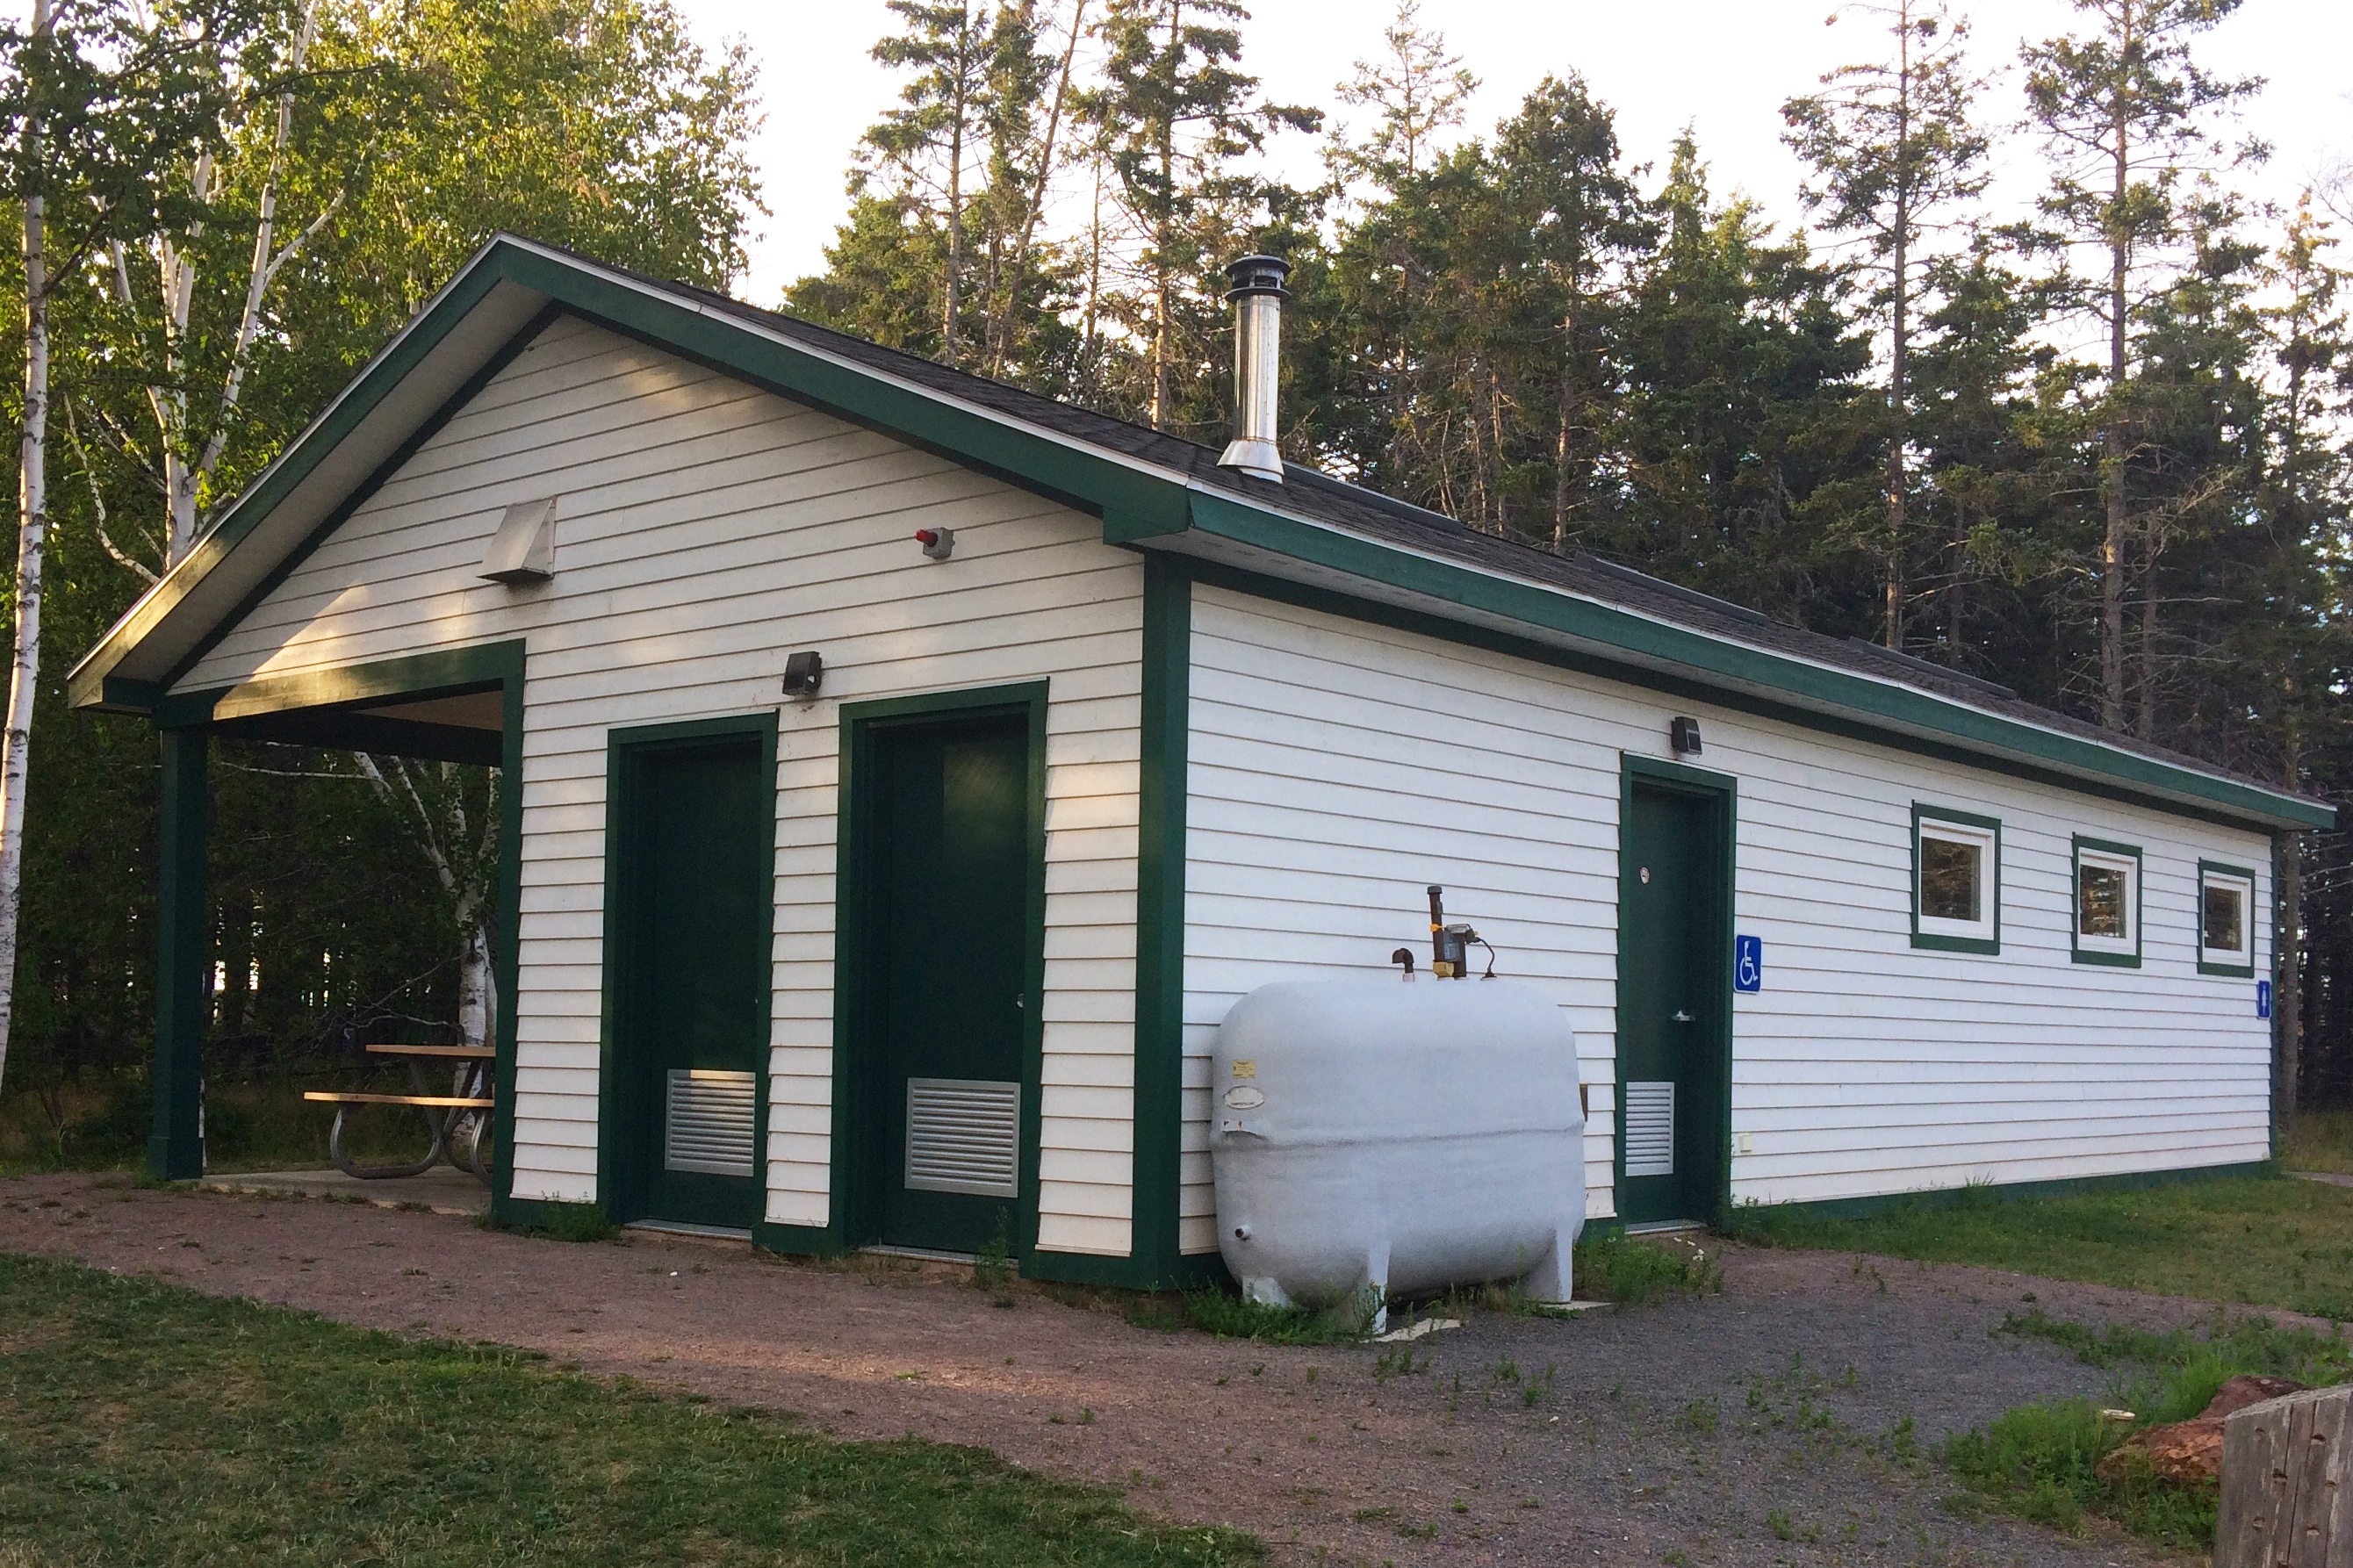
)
(2331, 1178)
(443, 1189)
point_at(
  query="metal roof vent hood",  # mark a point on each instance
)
(1258, 297)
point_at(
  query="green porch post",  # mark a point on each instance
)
(176, 1145)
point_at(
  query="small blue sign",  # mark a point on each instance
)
(1748, 964)
(2263, 999)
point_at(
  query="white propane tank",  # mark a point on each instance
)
(1402, 1136)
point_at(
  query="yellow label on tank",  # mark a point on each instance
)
(1246, 1068)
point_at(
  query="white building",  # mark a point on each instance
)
(1135, 733)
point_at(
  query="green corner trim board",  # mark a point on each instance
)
(510, 286)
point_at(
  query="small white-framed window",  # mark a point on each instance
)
(2226, 920)
(2108, 902)
(1955, 881)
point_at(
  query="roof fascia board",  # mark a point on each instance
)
(1720, 661)
(1132, 497)
(1134, 500)
(286, 474)
(1138, 504)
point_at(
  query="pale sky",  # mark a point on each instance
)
(1724, 66)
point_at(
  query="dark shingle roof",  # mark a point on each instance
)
(1310, 494)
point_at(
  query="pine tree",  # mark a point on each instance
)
(1892, 149)
(1176, 116)
(2123, 108)
(926, 145)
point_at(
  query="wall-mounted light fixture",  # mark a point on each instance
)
(1683, 735)
(803, 673)
(939, 544)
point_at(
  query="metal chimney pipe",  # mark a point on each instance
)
(1258, 298)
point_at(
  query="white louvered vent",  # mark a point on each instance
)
(1651, 1129)
(963, 1135)
(708, 1125)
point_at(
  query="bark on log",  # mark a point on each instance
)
(2287, 1483)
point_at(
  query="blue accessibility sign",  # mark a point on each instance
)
(1748, 963)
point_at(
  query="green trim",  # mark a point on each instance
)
(2076, 950)
(1935, 1198)
(1723, 792)
(380, 378)
(2233, 971)
(343, 730)
(1137, 503)
(613, 1116)
(1160, 922)
(1935, 942)
(1221, 517)
(365, 491)
(506, 958)
(850, 1223)
(1374, 613)
(439, 673)
(175, 1141)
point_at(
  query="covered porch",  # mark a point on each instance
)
(463, 705)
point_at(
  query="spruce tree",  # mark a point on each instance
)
(2124, 109)
(1893, 151)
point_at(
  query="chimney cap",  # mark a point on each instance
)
(1257, 274)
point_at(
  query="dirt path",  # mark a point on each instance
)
(1764, 1426)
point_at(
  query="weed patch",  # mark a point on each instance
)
(564, 1222)
(1641, 1273)
(1240, 1318)
(2042, 1462)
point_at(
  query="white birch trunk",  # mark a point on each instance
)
(476, 1003)
(32, 529)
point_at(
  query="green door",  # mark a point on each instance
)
(1671, 1036)
(946, 846)
(693, 879)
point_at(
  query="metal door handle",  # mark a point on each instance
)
(1681, 1018)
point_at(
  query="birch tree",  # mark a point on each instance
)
(94, 91)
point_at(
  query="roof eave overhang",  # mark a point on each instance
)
(510, 282)
(1263, 540)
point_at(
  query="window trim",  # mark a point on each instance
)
(2245, 876)
(2123, 954)
(1948, 941)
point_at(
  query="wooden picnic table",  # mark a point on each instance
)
(460, 1120)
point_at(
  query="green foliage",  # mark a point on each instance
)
(563, 1222)
(2043, 1461)
(2320, 1140)
(2256, 1240)
(1236, 1317)
(1635, 1272)
(237, 1432)
(992, 1267)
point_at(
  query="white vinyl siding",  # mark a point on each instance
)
(1337, 767)
(704, 531)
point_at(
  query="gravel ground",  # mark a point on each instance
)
(1762, 1426)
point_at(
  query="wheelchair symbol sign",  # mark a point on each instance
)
(1748, 963)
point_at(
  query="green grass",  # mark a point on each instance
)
(2323, 1141)
(142, 1423)
(1636, 1272)
(2041, 1461)
(2245, 1240)
(257, 1125)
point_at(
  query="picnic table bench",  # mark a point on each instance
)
(460, 1120)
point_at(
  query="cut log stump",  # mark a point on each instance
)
(2287, 1483)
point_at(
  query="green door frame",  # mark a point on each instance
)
(1721, 792)
(321, 707)
(848, 1222)
(622, 747)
